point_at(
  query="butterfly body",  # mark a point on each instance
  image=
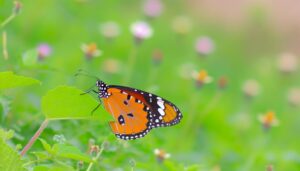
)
(136, 112)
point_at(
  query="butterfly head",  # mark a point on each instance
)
(102, 89)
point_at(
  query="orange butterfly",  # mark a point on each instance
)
(136, 112)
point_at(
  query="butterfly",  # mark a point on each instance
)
(136, 112)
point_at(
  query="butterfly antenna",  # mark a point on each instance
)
(82, 72)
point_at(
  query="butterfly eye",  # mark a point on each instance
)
(98, 83)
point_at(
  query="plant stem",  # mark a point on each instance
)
(4, 45)
(211, 105)
(7, 20)
(193, 113)
(131, 62)
(96, 158)
(34, 138)
(153, 75)
(34, 161)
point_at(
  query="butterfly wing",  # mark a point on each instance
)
(131, 115)
(161, 111)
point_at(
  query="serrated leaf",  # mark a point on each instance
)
(30, 57)
(70, 152)
(9, 158)
(66, 102)
(9, 80)
(6, 135)
(46, 146)
(4, 107)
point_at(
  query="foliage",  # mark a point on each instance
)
(231, 87)
(10, 80)
(9, 158)
(66, 102)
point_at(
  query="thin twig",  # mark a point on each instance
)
(97, 157)
(212, 104)
(7, 20)
(34, 138)
(4, 45)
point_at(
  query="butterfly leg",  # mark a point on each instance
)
(95, 108)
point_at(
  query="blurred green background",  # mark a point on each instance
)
(251, 58)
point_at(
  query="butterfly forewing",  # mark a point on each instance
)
(131, 118)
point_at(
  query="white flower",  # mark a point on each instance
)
(268, 119)
(110, 29)
(161, 155)
(294, 97)
(202, 77)
(91, 50)
(141, 30)
(111, 66)
(187, 71)
(251, 88)
(182, 25)
(288, 63)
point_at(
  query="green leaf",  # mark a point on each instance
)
(70, 152)
(66, 102)
(30, 57)
(194, 167)
(46, 146)
(169, 165)
(56, 167)
(9, 80)
(41, 168)
(9, 158)
(41, 155)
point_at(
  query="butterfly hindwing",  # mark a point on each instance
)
(162, 112)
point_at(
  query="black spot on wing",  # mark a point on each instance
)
(121, 120)
(130, 115)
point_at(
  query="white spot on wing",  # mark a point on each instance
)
(161, 104)
(161, 111)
